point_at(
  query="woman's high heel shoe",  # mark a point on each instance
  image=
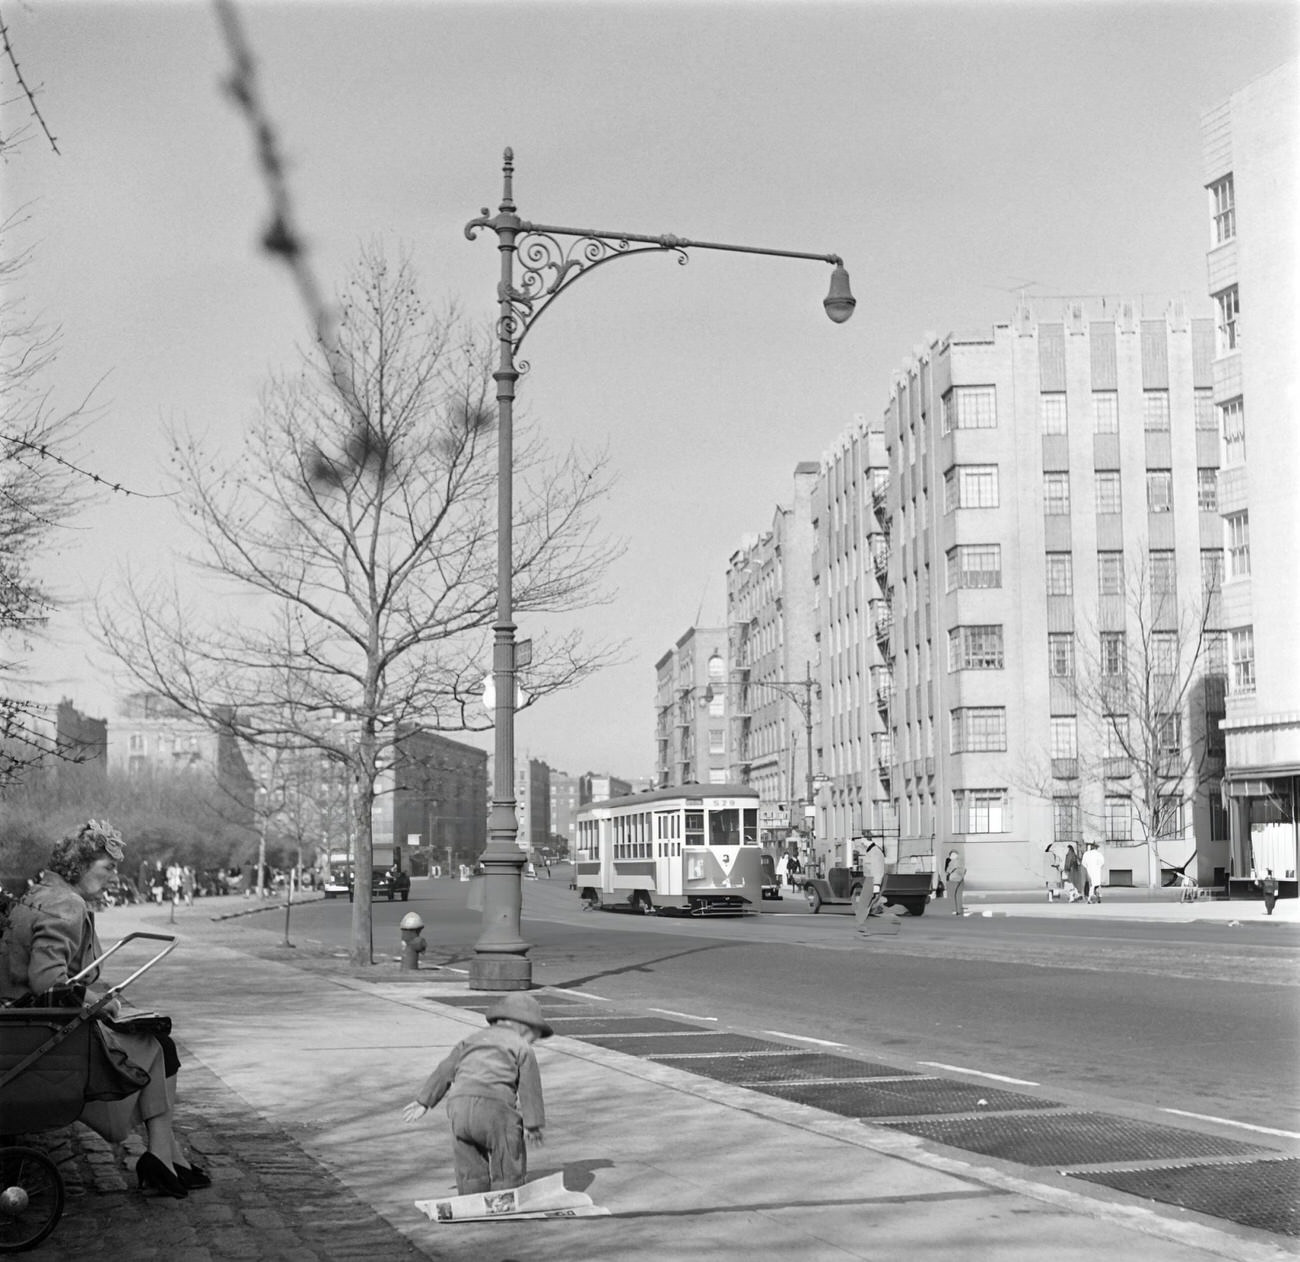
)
(192, 1177)
(151, 1173)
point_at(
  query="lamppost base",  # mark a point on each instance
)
(500, 972)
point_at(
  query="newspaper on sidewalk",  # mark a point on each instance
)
(543, 1198)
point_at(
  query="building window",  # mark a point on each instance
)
(979, 810)
(975, 648)
(1169, 735)
(1060, 654)
(1211, 569)
(1065, 737)
(1229, 319)
(1056, 494)
(1232, 426)
(1160, 490)
(1223, 210)
(1112, 654)
(1108, 491)
(718, 704)
(1065, 820)
(1155, 409)
(1116, 758)
(1105, 411)
(1054, 414)
(970, 407)
(975, 565)
(1241, 648)
(979, 729)
(136, 743)
(1169, 815)
(1207, 490)
(1164, 573)
(1164, 652)
(1203, 409)
(717, 740)
(970, 486)
(1118, 819)
(1060, 574)
(1110, 573)
(1237, 528)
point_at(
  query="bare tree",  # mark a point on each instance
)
(1145, 682)
(358, 528)
(41, 489)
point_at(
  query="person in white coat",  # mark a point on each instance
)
(1094, 871)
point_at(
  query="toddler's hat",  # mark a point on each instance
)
(516, 1006)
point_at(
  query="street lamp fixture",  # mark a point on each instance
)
(551, 260)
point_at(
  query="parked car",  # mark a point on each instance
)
(338, 881)
(384, 883)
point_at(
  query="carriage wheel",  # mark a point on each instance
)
(31, 1198)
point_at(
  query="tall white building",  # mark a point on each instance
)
(1251, 170)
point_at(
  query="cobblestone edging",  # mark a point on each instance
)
(269, 1198)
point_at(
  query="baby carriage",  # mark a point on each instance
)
(44, 1066)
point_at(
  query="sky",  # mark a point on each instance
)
(955, 155)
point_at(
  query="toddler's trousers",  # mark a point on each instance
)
(489, 1144)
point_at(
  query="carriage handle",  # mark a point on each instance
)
(98, 1006)
(168, 938)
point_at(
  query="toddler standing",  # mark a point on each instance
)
(494, 1096)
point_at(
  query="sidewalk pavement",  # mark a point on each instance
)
(297, 1066)
(1125, 904)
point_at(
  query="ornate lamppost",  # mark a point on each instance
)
(549, 266)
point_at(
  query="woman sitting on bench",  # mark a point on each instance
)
(50, 939)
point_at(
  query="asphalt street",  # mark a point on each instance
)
(1198, 1017)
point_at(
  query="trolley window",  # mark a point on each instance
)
(695, 828)
(724, 827)
(751, 827)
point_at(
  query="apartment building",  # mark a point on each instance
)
(151, 736)
(691, 710)
(532, 803)
(1054, 552)
(854, 621)
(564, 806)
(771, 688)
(437, 804)
(1251, 165)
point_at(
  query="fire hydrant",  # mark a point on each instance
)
(413, 945)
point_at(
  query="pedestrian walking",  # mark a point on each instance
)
(187, 885)
(1269, 887)
(1073, 874)
(1094, 873)
(954, 879)
(494, 1096)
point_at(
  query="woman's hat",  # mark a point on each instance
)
(517, 1006)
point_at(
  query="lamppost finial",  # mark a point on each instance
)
(508, 179)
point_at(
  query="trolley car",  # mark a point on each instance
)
(688, 849)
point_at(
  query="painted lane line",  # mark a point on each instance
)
(1227, 1121)
(979, 1073)
(581, 994)
(803, 1038)
(669, 1012)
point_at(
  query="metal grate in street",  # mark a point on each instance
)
(1261, 1194)
(748, 1071)
(663, 1044)
(582, 1027)
(1064, 1139)
(484, 1001)
(917, 1096)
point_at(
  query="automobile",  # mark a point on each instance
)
(771, 882)
(386, 883)
(338, 881)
